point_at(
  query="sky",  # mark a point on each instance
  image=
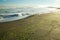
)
(30, 2)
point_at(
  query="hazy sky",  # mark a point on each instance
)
(30, 2)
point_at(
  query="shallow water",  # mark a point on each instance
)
(24, 11)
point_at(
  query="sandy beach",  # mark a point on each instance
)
(37, 27)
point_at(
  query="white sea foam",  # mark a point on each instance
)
(23, 13)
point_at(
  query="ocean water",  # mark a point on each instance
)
(20, 13)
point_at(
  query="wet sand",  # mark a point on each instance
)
(37, 27)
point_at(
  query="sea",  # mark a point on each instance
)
(11, 14)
